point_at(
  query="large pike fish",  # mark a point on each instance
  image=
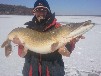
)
(47, 42)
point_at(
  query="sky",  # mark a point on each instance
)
(64, 7)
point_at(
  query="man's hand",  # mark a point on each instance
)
(77, 39)
(64, 51)
(22, 51)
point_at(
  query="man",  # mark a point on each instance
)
(44, 64)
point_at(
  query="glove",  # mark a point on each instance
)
(22, 51)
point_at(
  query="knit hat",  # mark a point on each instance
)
(42, 4)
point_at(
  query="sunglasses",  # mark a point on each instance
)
(41, 10)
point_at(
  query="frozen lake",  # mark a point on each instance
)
(85, 60)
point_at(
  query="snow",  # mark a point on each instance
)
(85, 60)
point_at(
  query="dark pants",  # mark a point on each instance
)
(53, 61)
(56, 68)
(26, 67)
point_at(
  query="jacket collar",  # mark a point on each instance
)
(44, 24)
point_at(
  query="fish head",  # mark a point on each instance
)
(80, 30)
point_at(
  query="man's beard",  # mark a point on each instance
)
(40, 18)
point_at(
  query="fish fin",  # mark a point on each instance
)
(53, 46)
(8, 47)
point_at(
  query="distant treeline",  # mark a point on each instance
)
(23, 10)
(14, 10)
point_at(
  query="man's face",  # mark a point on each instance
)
(41, 13)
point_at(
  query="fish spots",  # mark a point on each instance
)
(53, 32)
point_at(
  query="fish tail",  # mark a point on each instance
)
(8, 47)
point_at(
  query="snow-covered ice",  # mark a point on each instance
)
(85, 60)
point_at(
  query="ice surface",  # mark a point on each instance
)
(85, 60)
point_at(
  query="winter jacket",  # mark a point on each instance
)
(44, 64)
